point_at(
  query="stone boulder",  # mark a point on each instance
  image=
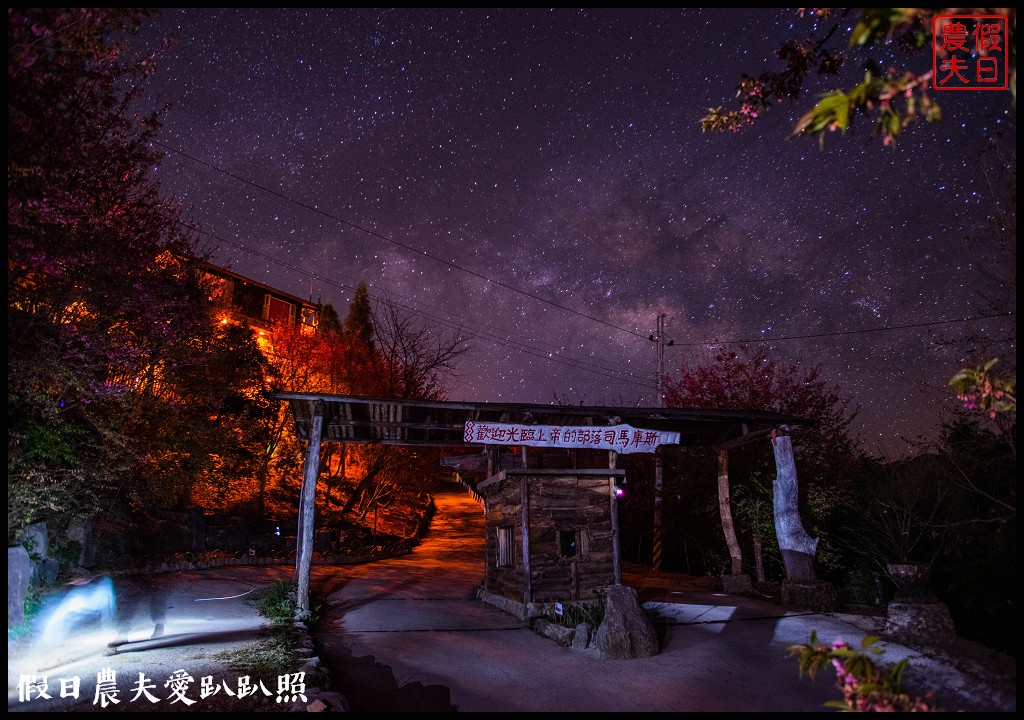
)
(920, 623)
(626, 631)
(816, 596)
(19, 571)
(581, 638)
(36, 540)
(736, 584)
(81, 532)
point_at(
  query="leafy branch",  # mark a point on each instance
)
(978, 388)
(895, 97)
(866, 685)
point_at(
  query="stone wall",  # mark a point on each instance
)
(918, 623)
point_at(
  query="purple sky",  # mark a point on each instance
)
(537, 181)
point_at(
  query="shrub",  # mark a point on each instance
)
(591, 613)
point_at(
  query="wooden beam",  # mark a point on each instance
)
(745, 438)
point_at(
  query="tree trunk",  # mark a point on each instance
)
(759, 558)
(798, 548)
(378, 465)
(725, 511)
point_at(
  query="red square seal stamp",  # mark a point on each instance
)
(969, 52)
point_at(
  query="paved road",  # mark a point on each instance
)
(207, 613)
(407, 634)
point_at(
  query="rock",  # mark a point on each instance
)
(47, 571)
(581, 638)
(817, 595)
(559, 633)
(36, 540)
(81, 532)
(919, 622)
(336, 702)
(736, 584)
(626, 631)
(19, 570)
(318, 700)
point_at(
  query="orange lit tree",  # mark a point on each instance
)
(117, 379)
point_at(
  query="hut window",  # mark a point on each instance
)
(505, 546)
(568, 543)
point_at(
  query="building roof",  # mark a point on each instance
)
(390, 421)
(230, 275)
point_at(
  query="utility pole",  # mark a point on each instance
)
(659, 338)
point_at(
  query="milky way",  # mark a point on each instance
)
(537, 181)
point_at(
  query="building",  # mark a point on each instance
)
(243, 299)
(551, 537)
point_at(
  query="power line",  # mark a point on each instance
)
(424, 253)
(455, 266)
(840, 333)
(555, 356)
(578, 363)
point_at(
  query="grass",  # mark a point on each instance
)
(572, 615)
(278, 602)
(271, 656)
(273, 653)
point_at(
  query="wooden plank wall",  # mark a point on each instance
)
(569, 503)
(564, 503)
(504, 509)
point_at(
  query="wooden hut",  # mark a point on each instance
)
(552, 536)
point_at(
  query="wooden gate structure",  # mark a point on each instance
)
(320, 418)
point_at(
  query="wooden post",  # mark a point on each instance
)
(616, 553)
(725, 511)
(489, 559)
(492, 460)
(307, 502)
(658, 487)
(525, 522)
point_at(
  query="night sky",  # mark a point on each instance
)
(537, 181)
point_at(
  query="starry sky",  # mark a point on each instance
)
(536, 181)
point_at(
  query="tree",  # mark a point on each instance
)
(894, 98)
(359, 321)
(751, 380)
(975, 573)
(124, 393)
(329, 322)
(989, 386)
(415, 361)
(951, 504)
(391, 358)
(208, 423)
(404, 360)
(754, 511)
(298, 364)
(902, 510)
(100, 307)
